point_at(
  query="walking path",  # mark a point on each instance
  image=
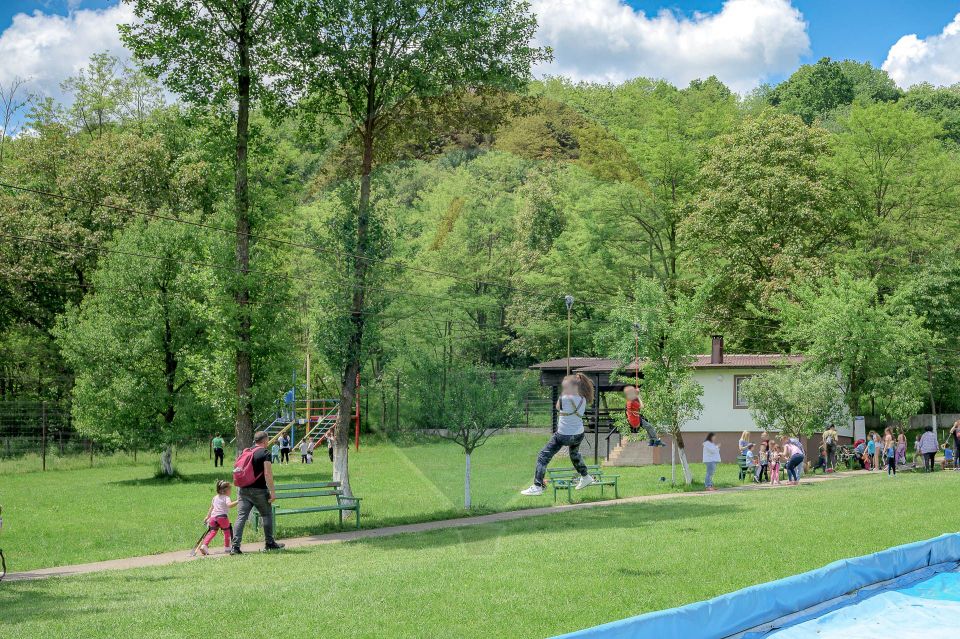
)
(180, 556)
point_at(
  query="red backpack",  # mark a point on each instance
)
(243, 469)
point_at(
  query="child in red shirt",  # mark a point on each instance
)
(635, 419)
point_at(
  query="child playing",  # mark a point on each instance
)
(901, 449)
(576, 394)
(218, 517)
(775, 464)
(305, 451)
(763, 464)
(890, 452)
(275, 453)
(750, 459)
(635, 419)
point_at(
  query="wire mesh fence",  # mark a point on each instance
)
(38, 427)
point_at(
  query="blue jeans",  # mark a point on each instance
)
(553, 446)
(792, 473)
(711, 469)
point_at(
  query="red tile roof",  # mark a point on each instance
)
(730, 360)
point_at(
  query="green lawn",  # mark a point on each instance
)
(526, 578)
(76, 514)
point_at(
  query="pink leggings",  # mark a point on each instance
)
(218, 523)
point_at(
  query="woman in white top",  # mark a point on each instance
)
(576, 394)
(711, 457)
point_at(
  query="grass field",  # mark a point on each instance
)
(525, 578)
(77, 514)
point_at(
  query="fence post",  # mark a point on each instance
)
(43, 422)
(396, 423)
(91, 452)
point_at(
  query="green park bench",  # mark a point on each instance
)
(567, 478)
(745, 469)
(310, 491)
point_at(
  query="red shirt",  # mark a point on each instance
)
(633, 412)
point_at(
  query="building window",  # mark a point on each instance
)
(739, 399)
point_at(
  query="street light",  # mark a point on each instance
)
(568, 300)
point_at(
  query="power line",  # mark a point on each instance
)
(232, 268)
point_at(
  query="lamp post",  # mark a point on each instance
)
(568, 300)
(636, 353)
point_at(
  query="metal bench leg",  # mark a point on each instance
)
(340, 515)
(358, 516)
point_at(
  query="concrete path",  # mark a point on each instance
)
(180, 556)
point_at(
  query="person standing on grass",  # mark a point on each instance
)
(775, 457)
(928, 448)
(576, 394)
(830, 445)
(901, 449)
(890, 452)
(711, 457)
(260, 495)
(763, 462)
(871, 449)
(793, 453)
(217, 444)
(285, 449)
(955, 440)
(305, 448)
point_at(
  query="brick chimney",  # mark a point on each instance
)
(716, 353)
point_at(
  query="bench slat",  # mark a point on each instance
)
(308, 493)
(321, 484)
(313, 509)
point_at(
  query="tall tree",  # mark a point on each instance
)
(374, 65)
(795, 401)
(213, 53)
(668, 330)
(12, 101)
(140, 342)
(814, 90)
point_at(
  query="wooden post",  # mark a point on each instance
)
(356, 434)
(91, 453)
(43, 446)
(596, 421)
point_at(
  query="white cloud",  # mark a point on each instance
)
(936, 59)
(746, 42)
(47, 48)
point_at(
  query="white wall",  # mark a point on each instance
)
(718, 414)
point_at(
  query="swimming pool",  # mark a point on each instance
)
(914, 589)
(927, 609)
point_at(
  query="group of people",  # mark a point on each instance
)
(763, 462)
(889, 451)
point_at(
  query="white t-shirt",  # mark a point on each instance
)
(221, 506)
(711, 452)
(572, 410)
(304, 447)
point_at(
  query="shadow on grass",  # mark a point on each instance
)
(212, 477)
(633, 516)
(24, 601)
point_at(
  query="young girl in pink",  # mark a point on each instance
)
(775, 464)
(218, 517)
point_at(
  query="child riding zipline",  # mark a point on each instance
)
(576, 394)
(636, 419)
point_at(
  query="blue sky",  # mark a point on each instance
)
(856, 29)
(743, 42)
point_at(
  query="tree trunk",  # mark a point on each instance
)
(467, 502)
(166, 461)
(241, 199)
(682, 454)
(341, 472)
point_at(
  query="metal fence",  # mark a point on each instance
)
(39, 427)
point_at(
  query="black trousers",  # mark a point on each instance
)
(284, 455)
(892, 465)
(217, 457)
(928, 459)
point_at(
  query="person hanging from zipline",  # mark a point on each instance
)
(636, 419)
(576, 394)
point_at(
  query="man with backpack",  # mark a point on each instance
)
(253, 475)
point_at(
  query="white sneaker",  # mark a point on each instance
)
(585, 480)
(533, 491)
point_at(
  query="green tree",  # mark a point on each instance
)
(876, 347)
(96, 92)
(765, 213)
(870, 84)
(901, 186)
(478, 404)
(215, 54)
(942, 104)
(140, 343)
(795, 401)
(379, 66)
(669, 329)
(814, 90)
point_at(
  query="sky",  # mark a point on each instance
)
(742, 42)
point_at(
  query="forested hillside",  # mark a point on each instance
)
(823, 213)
